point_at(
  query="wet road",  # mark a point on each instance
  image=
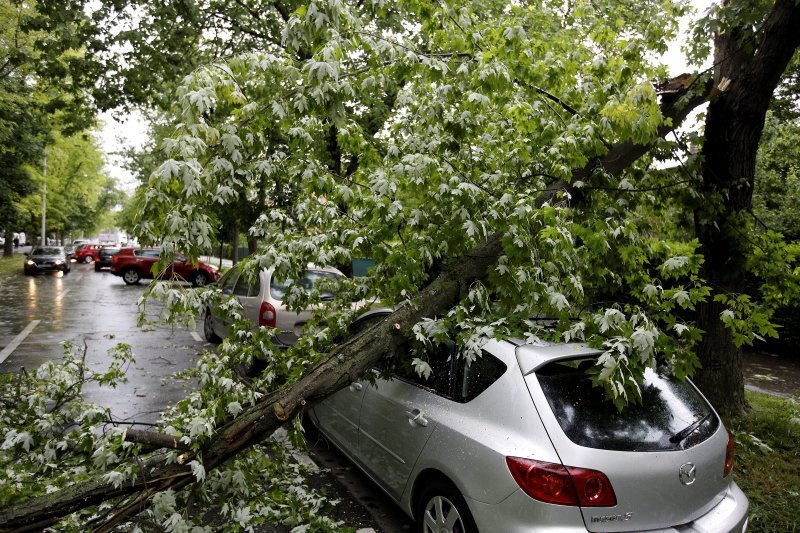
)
(98, 310)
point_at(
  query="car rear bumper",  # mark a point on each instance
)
(521, 514)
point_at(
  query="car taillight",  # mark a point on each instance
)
(267, 316)
(729, 453)
(562, 485)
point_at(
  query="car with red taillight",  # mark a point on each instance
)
(520, 440)
(87, 252)
(261, 298)
(135, 264)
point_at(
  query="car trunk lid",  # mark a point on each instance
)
(664, 458)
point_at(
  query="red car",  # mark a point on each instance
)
(134, 264)
(87, 253)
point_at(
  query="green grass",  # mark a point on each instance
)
(767, 464)
(11, 264)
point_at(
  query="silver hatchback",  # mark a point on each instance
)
(262, 302)
(520, 441)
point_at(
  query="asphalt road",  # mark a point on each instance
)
(98, 310)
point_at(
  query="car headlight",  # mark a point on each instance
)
(29, 262)
(58, 261)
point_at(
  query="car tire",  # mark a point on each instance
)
(200, 279)
(88, 259)
(28, 272)
(96, 267)
(131, 276)
(208, 329)
(435, 508)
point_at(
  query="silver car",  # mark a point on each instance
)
(520, 441)
(262, 301)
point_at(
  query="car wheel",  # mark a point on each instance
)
(200, 279)
(208, 329)
(131, 276)
(442, 509)
(88, 259)
(28, 272)
(96, 267)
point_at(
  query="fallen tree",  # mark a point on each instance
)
(349, 361)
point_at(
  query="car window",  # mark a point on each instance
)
(278, 288)
(669, 407)
(147, 253)
(440, 358)
(242, 288)
(228, 281)
(475, 377)
(254, 288)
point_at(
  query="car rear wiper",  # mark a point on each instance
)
(688, 430)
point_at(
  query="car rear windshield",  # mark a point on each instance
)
(309, 280)
(671, 416)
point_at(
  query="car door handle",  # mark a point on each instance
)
(417, 417)
(355, 386)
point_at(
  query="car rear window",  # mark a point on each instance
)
(671, 416)
(278, 288)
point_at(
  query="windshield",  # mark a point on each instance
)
(46, 251)
(671, 416)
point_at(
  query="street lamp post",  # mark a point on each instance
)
(44, 203)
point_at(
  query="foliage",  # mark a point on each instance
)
(475, 135)
(775, 197)
(48, 431)
(79, 193)
(42, 92)
(768, 461)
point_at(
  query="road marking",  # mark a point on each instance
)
(8, 350)
(196, 336)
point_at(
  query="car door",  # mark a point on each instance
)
(247, 292)
(145, 260)
(226, 285)
(337, 415)
(398, 416)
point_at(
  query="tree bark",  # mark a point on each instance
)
(350, 360)
(733, 129)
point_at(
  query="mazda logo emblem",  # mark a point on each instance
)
(687, 473)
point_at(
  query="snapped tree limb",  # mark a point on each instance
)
(348, 361)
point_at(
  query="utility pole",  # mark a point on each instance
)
(44, 203)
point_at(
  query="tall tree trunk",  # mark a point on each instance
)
(8, 246)
(734, 124)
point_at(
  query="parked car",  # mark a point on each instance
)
(46, 259)
(520, 440)
(105, 257)
(135, 264)
(87, 253)
(262, 300)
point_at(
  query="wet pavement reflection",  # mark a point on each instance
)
(96, 310)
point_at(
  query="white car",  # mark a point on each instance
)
(521, 441)
(262, 301)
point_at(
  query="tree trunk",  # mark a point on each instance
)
(734, 123)
(8, 246)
